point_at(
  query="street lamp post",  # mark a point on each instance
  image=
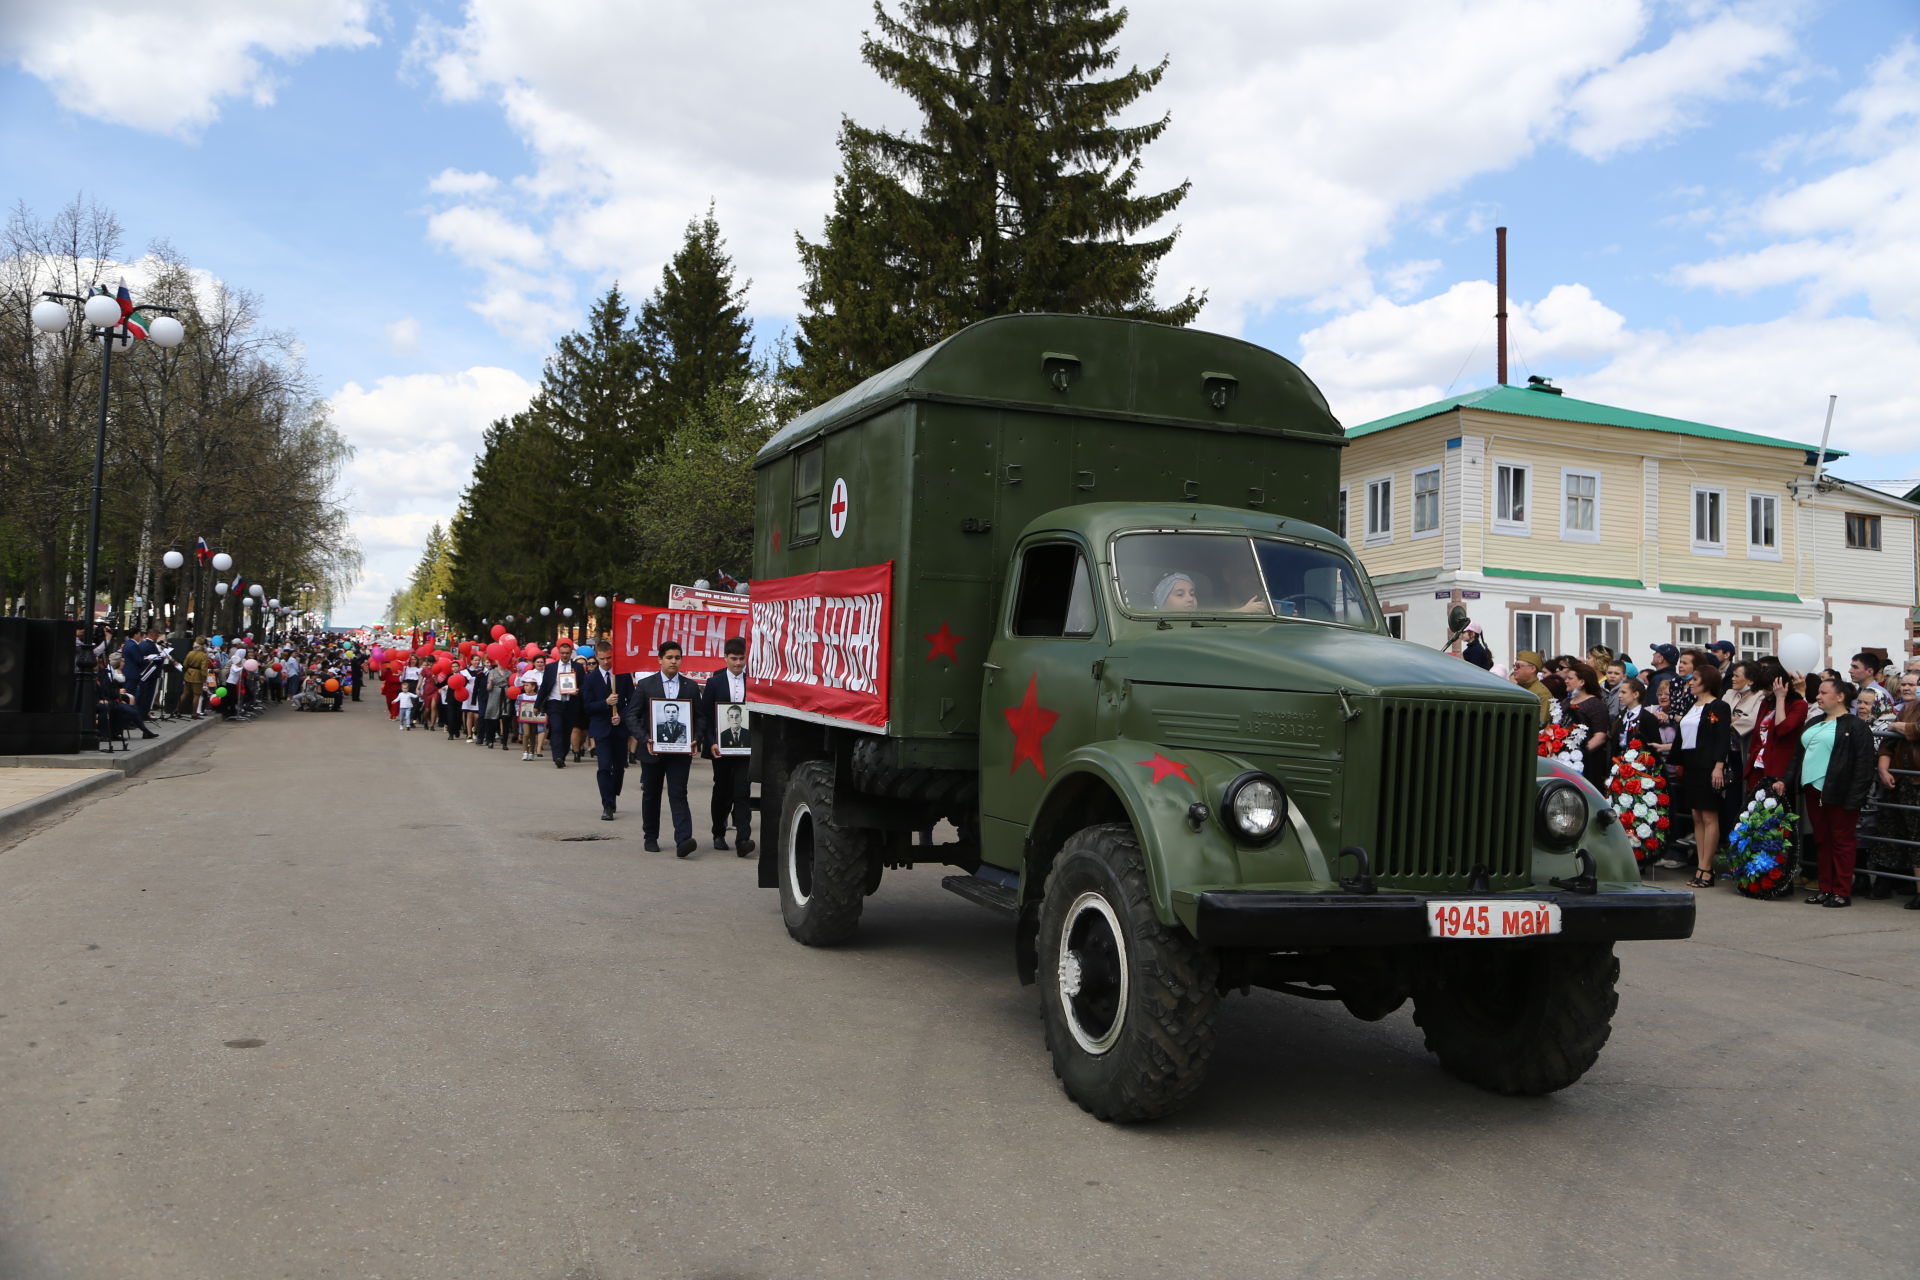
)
(108, 318)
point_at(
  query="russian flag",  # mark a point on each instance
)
(201, 551)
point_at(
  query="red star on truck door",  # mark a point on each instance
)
(1164, 768)
(1030, 722)
(943, 643)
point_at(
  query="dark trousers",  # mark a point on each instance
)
(489, 725)
(610, 750)
(730, 796)
(672, 770)
(1835, 833)
(563, 717)
(450, 717)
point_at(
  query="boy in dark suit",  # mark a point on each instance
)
(656, 770)
(730, 785)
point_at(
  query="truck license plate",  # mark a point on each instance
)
(1492, 919)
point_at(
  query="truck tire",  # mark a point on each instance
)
(1128, 1003)
(823, 866)
(952, 794)
(1523, 1020)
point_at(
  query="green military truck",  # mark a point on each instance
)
(1098, 622)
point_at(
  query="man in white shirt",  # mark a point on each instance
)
(730, 786)
(670, 769)
(560, 699)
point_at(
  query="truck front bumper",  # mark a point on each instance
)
(1274, 920)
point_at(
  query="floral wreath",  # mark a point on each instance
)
(1558, 742)
(1637, 789)
(1760, 851)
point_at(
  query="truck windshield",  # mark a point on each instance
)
(1234, 574)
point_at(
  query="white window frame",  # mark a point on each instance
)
(1756, 551)
(1701, 546)
(1606, 621)
(1382, 536)
(1567, 532)
(1397, 625)
(1344, 513)
(1552, 620)
(1523, 527)
(1749, 651)
(1680, 640)
(1418, 532)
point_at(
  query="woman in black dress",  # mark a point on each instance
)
(1705, 737)
(1588, 722)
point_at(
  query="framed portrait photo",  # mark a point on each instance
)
(670, 726)
(733, 729)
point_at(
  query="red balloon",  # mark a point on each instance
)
(531, 651)
(509, 641)
(497, 631)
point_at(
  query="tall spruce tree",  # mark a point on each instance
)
(694, 329)
(1016, 194)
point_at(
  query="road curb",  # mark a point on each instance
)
(125, 763)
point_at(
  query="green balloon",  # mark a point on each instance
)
(221, 692)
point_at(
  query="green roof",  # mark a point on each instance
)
(1526, 402)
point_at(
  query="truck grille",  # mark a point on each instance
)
(1456, 790)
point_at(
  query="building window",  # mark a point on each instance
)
(1600, 632)
(1426, 502)
(1755, 642)
(1380, 510)
(1579, 506)
(1690, 636)
(1340, 513)
(1863, 532)
(1533, 631)
(1512, 489)
(1763, 526)
(1710, 520)
(1396, 625)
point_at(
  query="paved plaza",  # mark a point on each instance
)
(312, 997)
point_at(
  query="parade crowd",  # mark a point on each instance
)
(561, 703)
(1733, 767)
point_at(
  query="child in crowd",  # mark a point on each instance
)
(407, 700)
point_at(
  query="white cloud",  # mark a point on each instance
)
(169, 68)
(403, 336)
(455, 182)
(484, 237)
(1658, 93)
(415, 439)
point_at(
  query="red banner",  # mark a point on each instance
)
(639, 630)
(819, 642)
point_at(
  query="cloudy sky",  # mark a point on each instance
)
(1714, 207)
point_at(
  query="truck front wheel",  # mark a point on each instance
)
(1128, 1003)
(1518, 1019)
(823, 866)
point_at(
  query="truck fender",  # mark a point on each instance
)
(1605, 840)
(1114, 781)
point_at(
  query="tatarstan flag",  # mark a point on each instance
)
(131, 320)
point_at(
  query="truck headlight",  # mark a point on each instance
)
(1562, 814)
(1255, 807)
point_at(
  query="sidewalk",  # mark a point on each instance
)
(31, 787)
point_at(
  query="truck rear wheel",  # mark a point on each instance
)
(1519, 1019)
(823, 866)
(1128, 1003)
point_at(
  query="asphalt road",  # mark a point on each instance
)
(482, 1049)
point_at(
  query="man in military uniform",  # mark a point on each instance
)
(1526, 674)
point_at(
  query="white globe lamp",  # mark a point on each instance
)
(544, 611)
(219, 588)
(50, 316)
(274, 603)
(222, 562)
(599, 602)
(566, 613)
(102, 312)
(173, 559)
(165, 331)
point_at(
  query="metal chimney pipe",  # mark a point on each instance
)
(1500, 315)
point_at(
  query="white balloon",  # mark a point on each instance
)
(173, 559)
(50, 316)
(222, 562)
(102, 312)
(165, 331)
(1800, 652)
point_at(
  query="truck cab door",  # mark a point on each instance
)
(1040, 694)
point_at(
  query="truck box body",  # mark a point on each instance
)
(947, 456)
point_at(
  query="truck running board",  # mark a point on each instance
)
(994, 897)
